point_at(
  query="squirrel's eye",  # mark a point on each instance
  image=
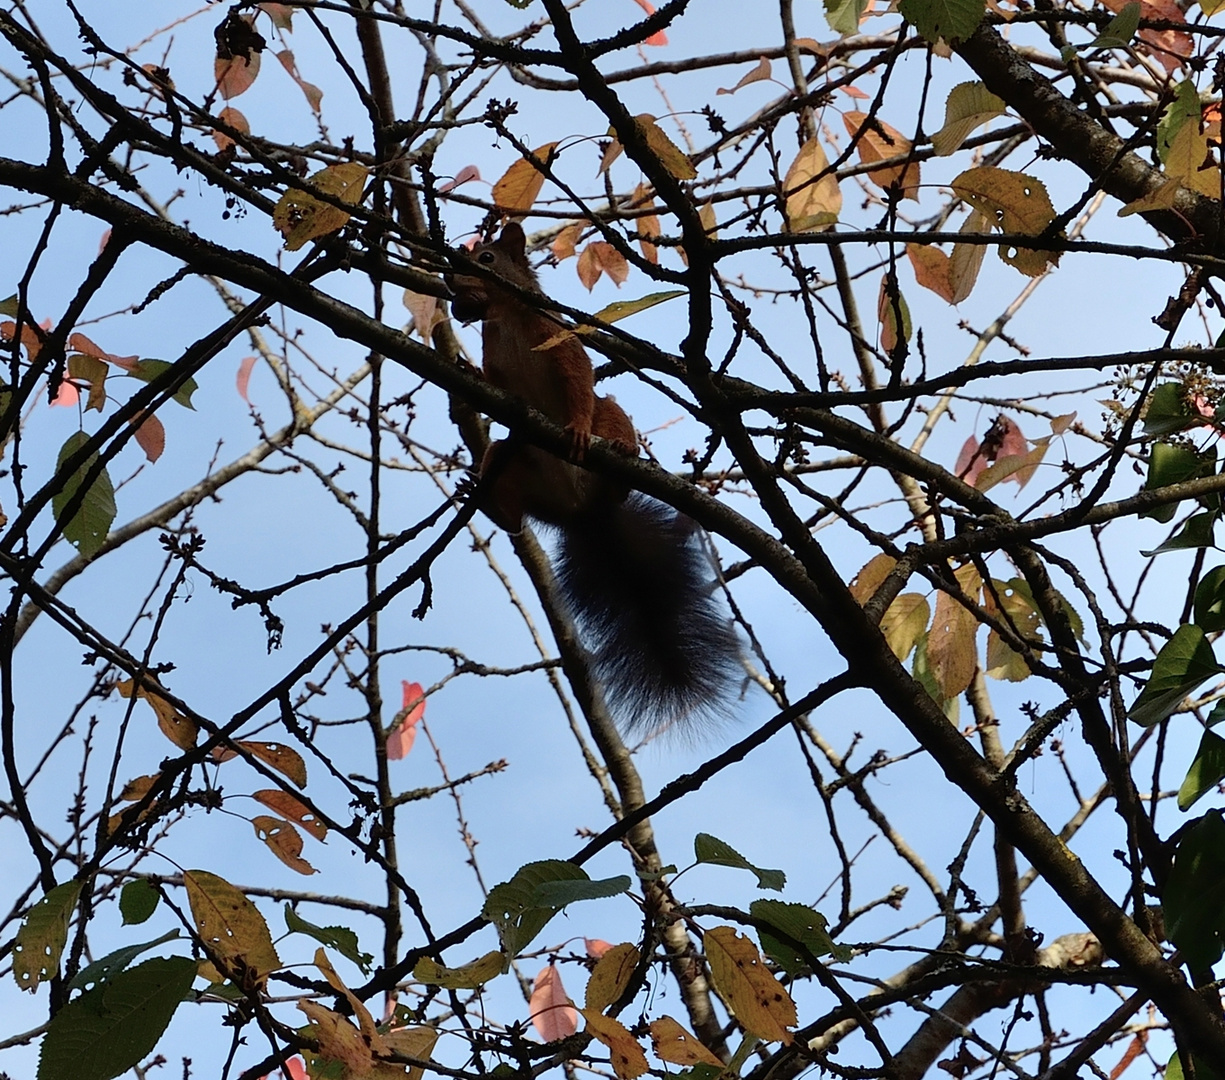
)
(485, 257)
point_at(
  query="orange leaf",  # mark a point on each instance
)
(564, 243)
(314, 96)
(236, 120)
(293, 809)
(596, 947)
(553, 1013)
(520, 185)
(235, 75)
(628, 1060)
(243, 380)
(673, 1044)
(659, 37)
(1134, 1049)
(878, 142)
(588, 267)
(646, 226)
(403, 729)
(150, 435)
(931, 269)
(284, 841)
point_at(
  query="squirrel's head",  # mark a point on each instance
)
(505, 257)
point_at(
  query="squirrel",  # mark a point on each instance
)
(631, 571)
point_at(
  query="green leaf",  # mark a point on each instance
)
(1206, 771)
(1184, 107)
(710, 849)
(1184, 662)
(148, 370)
(512, 906)
(952, 20)
(1217, 714)
(1210, 601)
(87, 528)
(137, 901)
(623, 309)
(1167, 410)
(800, 923)
(560, 893)
(1193, 900)
(1196, 532)
(106, 1031)
(843, 15)
(104, 970)
(1173, 1069)
(922, 672)
(1120, 30)
(340, 938)
(969, 105)
(1171, 464)
(10, 306)
(42, 936)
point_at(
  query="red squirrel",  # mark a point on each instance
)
(631, 570)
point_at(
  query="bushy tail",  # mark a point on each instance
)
(641, 589)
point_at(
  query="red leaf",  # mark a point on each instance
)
(404, 726)
(244, 377)
(970, 462)
(553, 1013)
(468, 172)
(67, 394)
(596, 947)
(659, 37)
(1133, 1051)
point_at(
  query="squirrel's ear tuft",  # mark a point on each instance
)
(513, 239)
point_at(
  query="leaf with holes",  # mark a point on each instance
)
(43, 933)
(91, 489)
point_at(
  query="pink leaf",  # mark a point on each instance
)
(1011, 439)
(67, 394)
(293, 1068)
(553, 1013)
(468, 172)
(80, 343)
(659, 37)
(244, 377)
(404, 725)
(314, 96)
(596, 947)
(106, 239)
(970, 462)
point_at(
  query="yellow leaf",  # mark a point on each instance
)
(414, 1042)
(759, 1000)
(967, 259)
(647, 226)
(969, 105)
(673, 1044)
(283, 840)
(812, 205)
(520, 185)
(1191, 163)
(43, 933)
(904, 622)
(611, 976)
(870, 578)
(299, 216)
(671, 156)
(469, 977)
(1014, 203)
(628, 1060)
(179, 729)
(950, 642)
(878, 142)
(1162, 197)
(338, 1039)
(364, 1020)
(232, 929)
(135, 790)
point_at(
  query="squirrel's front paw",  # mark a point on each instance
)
(579, 442)
(466, 487)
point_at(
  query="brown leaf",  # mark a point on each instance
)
(647, 226)
(950, 642)
(673, 1044)
(283, 840)
(137, 789)
(314, 96)
(286, 761)
(180, 730)
(869, 579)
(520, 185)
(553, 1013)
(760, 72)
(293, 809)
(967, 259)
(563, 246)
(611, 261)
(150, 434)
